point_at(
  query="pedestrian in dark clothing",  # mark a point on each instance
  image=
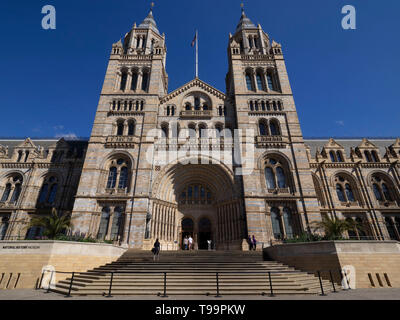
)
(250, 242)
(156, 250)
(254, 242)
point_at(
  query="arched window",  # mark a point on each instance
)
(280, 174)
(52, 193)
(104, 222)
(339, 156)
(145, 80)
(203, 130)
(375, 157)
(196, 103)
(270, 178)
(131, 128)
(49, 190)
(112, 178)
(6, 193)
(275, 174)
(124, 77)
(120, 128)
(192, 130)
(135, 77)
(16, 193)
(344, 189)
(165, 129)
(249, 82)
(263, 128)
(377, 192)
(26, 156)
(123, 179)
(276, 223)
(263, 105)
(19, 156)
(360, 228)
(168, 111)
(340, 194)
(274, 128)
(4, 222)
(349, 193)
(188, 107)
(288, 221)
(351, 232)
(332, 155)
(116, 227)
(380, 187)
(260, 82)
(367, 156)
(270, 81)
(43, 193)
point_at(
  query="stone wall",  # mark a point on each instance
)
(22, 262)
(376, 263)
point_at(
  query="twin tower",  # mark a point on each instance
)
(195, 161)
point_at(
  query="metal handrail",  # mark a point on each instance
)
(217, 273)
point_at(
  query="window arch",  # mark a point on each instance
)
(124, 78)
(203, 130)
(382, 188)
(344, 189)
(274, 128)
(13, 187)
(145, 80)
(249, 81)
(339, 156)
(135, 77)
(270, 81)
(275, 174)
(260, 81)
(131, 127)
(120, 127)
(332, 156)
(263, 127)
(48, 191)
(118, 174)
(4, 223)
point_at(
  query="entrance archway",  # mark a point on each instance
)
(206, 195)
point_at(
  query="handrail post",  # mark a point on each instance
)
(165, 286)
(217, 278)
(270, 285)
(51, 278)
(320, 283)
(70, 285)
(111, 282)
(333, 283)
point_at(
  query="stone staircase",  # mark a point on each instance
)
(193, 273)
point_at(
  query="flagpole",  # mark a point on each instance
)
(197, 55)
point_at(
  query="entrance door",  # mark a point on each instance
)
(205, 233)
(187, 229)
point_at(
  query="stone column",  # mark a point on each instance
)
(110, 222)
(128, 81)
(139, 80)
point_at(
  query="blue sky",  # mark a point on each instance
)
(345, 82)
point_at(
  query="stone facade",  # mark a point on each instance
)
(218, 166)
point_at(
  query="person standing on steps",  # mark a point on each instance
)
(190, 243)
(156, 250)
(250, 242)
(185, 243)
(254, 242)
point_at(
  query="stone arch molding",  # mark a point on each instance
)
(175, 176)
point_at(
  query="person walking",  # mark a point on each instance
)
(254, 243)
(185, 243)
(156, 250)
(250, 242)
(190, 243)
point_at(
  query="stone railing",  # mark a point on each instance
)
(121, 141)
(196, 114)
(271, 141)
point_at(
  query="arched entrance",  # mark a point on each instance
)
(200, 200)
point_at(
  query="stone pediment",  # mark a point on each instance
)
(332, 144)
(194, 85)
(366, 144)
(26, 144)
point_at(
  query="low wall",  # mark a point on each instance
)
(376, 263)
(22, 262)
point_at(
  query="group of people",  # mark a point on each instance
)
(252, 242)
(188, 243)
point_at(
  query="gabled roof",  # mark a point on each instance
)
(196, 82)
(365, 143)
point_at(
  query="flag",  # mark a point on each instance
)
(194, 40)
